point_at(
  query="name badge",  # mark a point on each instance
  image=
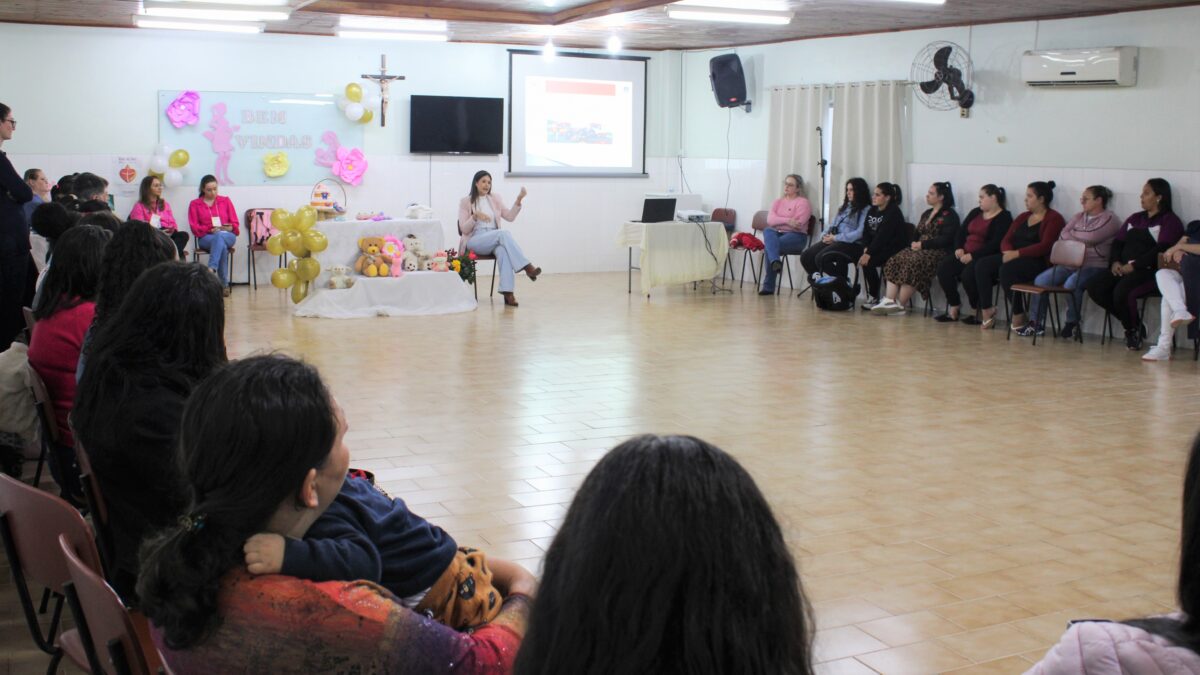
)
(155, 220)
(216, 222)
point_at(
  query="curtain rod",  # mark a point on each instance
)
(789, 87)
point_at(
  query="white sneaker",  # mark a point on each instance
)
(1158, 353)
(1181, 318)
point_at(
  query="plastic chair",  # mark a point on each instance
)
(784, 257)
(479, 257)
(728, 218)
(757, 224)
(49, 428)
(197, 252)
(109, 632)
(257, 223)
(97, 507)
(31, 522)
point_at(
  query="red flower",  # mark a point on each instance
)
(472, 255)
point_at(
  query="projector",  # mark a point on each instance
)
(692, 216)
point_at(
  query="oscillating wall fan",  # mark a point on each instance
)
(942, 72)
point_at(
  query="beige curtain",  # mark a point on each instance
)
(792, 141)
(867, 135)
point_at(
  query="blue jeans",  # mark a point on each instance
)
(218, 244)
(778, 244)
(509, 257)
(1075, 280)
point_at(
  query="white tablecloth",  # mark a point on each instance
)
(414, 293)
(675, 252)
(343, 238)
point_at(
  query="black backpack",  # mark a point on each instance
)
(834, 294)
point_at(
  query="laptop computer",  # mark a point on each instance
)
(658, 210)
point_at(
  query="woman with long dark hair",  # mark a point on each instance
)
(479, 215)
(144, 361)
(14, 239)
(64, 311)
(1133, 259)
(885, 235)
(214, 222)
(152, 208)
(842, 242)
(1166, 644)
(262, 448)
(980, 236)
(669, 561)
(912, 269)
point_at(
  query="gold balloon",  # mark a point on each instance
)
(299, 291)
(292, 241)
(281, 219)
(367, 116)
(179, 159)
(315, 241)
(354, 92)
(309, 269)
(283, 278)
(304, 218)
(275, 244)
(156, 174)
(294, 265)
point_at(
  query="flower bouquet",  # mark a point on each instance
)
(463, 264)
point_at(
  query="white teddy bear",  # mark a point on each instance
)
(340, 277)
(415, 258)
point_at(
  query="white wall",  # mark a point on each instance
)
(89, 94)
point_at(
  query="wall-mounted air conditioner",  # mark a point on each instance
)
(1098, 67)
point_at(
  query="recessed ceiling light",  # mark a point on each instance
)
(209, 26)
(389, 23)
(214, 12)
(729, 15)
(390, 35)
(549, 51)
(614, 44)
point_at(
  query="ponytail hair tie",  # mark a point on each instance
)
(193, 523)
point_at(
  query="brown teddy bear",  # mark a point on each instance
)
(373, 262)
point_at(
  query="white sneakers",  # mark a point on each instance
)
(888, 307)
(1158, 353)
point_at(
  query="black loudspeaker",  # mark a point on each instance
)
(728, 81)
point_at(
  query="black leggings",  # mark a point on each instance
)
(830, 259)
(949, 271)
(181, 240)
(871, 272)
(1119, 295)
(1019, 271)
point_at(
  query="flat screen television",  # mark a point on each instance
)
(456, 125)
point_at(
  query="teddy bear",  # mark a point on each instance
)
(439, 262)
(339, 277)
(415, 257)
(373, 261)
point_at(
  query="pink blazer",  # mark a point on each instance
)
(1103, 648)
(166, 218)
(466, 216)
(200, 215)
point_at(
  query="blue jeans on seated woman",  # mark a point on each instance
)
(1067, 277)
(218, 244)
(779, 244)
(509, 257)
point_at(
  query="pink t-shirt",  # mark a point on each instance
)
(784, 209)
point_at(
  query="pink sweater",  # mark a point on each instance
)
(466, 216)
(143, 213)
(54, 354)
(200, 215)
(1104, 648)
(783, 210)
(1097, 233)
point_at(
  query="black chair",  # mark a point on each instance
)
(478, 258)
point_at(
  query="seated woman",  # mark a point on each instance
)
(786, 232)
(152, 208)
(1163, 644)
(704, 585)
(1024, 253)
(912, 269)
(1133, 259)
(1179, 283)
(262, 448)
(64, 311)
(144, 362)
(980, 237)
(1094, 227)
(479, 215)
(885, 234)
(214, 223)
(842, 243)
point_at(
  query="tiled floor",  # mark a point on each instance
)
(953, 498)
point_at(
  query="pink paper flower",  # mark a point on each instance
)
(350, 165)
(184, 110)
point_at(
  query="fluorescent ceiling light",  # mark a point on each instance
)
(389, 23)
(614, 44)
(390, 35)
(729, 15)
(174, 10)
(549, 51)
(265, 3)
(210, 26)
(917, 2)
(753, 5)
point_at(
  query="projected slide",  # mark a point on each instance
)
(576, 114)
(578, 123)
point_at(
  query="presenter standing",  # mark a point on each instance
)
(479, 215)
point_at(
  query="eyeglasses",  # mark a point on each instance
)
(12, 122)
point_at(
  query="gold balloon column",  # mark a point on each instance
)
(296, 236)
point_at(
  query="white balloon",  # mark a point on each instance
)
(162, 150)
(342, 102)
(354, 111)
(173, 178)
(159, 164)
(370, 100)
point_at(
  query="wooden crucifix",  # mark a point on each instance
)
(383, 79)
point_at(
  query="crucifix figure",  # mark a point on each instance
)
(383, 79)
